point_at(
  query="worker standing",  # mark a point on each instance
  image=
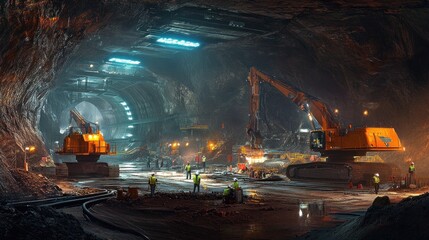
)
(229, 158)
(204, 162)
(152, 183)
(197, 181)
(411, 171)
(188, 170)
(148, 163)
(197, 160)
(376, 179)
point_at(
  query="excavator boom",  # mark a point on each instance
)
(311, 105)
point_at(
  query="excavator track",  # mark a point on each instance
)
(356, 172)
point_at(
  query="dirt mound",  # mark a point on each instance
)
(406, 220)
(32, 186)
(40, 223)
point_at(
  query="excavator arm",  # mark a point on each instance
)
(81, 122)
(314, 107)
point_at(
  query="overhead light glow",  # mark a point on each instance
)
(129, 135)
(178, 42)
(130, 118)
(130, 126)
(123, 103)
(129, 113)
(127, 108)
(304, 130)
(126, 61)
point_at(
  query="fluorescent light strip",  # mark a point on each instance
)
(178, 42)
(126, 61)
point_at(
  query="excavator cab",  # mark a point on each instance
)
(317, 140)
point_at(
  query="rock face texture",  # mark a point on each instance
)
(35, 39)
(355, 56)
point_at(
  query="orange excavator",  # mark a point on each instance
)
(339, 145)
(87, 143)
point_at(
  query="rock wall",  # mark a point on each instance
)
(36, 38)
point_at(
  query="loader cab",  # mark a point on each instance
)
(317, 140)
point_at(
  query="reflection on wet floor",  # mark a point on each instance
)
(309, 210)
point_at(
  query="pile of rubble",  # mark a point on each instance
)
(40, 223)
(407, 219)
(32, 186)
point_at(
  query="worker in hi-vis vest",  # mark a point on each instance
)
(152, 183)
(197, 181)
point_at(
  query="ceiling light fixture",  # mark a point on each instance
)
(178, 42)
(126, 61)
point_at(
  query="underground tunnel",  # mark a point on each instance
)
(309, 106)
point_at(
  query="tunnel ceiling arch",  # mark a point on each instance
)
(122, 65)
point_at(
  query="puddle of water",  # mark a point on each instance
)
(310, 212)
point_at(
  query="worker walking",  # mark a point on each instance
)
(152, 183)
(197, 181)
(376, 179)
(411, 171)
(188, 170)
(204, 162)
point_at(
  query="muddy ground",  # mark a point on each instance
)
(40, 224)
(189, 216)
(271, 210)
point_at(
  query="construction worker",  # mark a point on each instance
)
(152, 183)
(197, 181)
(188, 170)
(204, 162)
(228, 194)
(197, 160)
(376, 179)
(235, 184)
(411, 171)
